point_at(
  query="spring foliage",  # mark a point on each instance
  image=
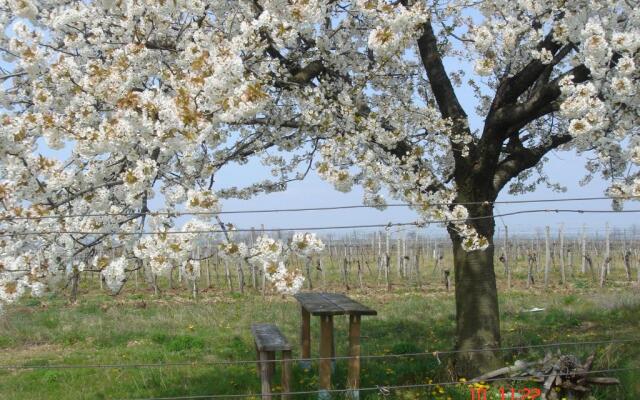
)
(109, 104)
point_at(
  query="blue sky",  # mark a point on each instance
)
(564, 168)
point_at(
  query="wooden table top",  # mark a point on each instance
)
(332, 304)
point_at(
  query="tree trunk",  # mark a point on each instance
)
(477, 312)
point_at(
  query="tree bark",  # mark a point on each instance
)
(476, 293)
(477, 311)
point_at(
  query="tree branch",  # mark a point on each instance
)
(438, 79)
(523, 158)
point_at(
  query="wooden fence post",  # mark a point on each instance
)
(583, 251)
(387, 266)
(506, 256)
(607, 257)
(562, 273)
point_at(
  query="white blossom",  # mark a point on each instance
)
(114, 274)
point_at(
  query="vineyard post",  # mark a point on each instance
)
(537, 265)
(506, 256)
(607, 258)
(240, 277)
(404, 255)
(417, 267)
(215, 267)
(562, 272)
(547, 255)
(398, 255)
(307, 267)
(637, 257)
(208, 268)
(254, 282)
(387, 260)
(583, 251)
(387, 266)
(227, 275)
(570, 257)
(627, 263)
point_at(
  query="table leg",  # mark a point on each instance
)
(305, 338)
(264, 375)
(326, 343)
(333, 350)
(272, 363)
(286, 374)
(258, 362)
(353, 375)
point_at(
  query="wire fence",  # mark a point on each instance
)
(432, 353)
(383, 390)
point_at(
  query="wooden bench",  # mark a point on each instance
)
(268, 340)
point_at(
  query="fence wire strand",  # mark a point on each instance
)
(434, 353)
(384, 390)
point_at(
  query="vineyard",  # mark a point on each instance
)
(407, 259)
(569, 291)
(178, 189)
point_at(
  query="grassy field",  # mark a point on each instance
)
(137, 327)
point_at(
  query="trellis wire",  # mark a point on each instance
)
(303, 209)
(340, 227)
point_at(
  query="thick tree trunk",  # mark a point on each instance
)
(477, 312)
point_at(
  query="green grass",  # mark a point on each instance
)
(137, 328)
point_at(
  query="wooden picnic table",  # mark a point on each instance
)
(325, 306)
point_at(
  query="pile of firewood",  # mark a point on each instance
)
(561, 376)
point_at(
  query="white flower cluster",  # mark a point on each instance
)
(397, 25)
(22, 274)
(202, 200)
(306, 244)
(190, 269)
(233, 250)
(285, 281)
(115, 274)
(271, 255)
(11, 290)
(471, 240)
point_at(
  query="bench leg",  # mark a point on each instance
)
(265, 378)
(305, 338)
(353, 375)
(286, 374)
(326, 344)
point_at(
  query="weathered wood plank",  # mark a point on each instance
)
(268, 338)
(317, 305)
(349, 305)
